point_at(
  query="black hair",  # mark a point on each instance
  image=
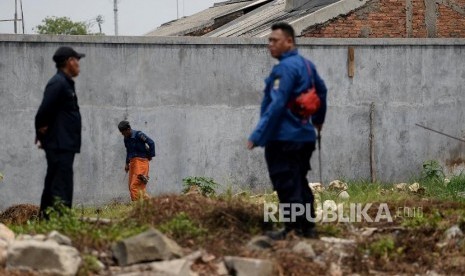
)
(60, 63)
(286, 28)
(123, 125)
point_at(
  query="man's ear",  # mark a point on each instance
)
(289, 40)
(67, 61)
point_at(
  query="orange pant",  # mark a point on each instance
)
(137, 188)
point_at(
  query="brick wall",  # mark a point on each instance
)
(450, 22)
(388, 18)
(418, 18)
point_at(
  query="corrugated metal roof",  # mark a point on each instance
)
(251, 21)
(197, 21)
(258, 22)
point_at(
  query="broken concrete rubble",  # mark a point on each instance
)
(6, 234)
(337, 185)
(44, 257)
(246, 266)
(150, 245)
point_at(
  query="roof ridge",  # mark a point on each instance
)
(230, 2)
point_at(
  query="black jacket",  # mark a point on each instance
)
(60, 112)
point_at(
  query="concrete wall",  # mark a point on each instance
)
(198, 98)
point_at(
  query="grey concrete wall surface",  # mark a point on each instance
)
(198, 98)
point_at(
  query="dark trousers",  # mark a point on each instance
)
(288, 164)
(58, 181)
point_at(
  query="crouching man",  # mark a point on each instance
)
(139, 152)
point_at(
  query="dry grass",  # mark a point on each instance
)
(228, 224)
(19, 214)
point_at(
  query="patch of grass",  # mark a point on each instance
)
(363, 191)
(83, 234)
(271, 197)
(111, 211)
(182, 227)
(229, 222)
(383, 248)
(424, 221)
(206, 185)
(432, 171)
(89, 265)
(228, 193)
(261, 199)
(329, 229)
(441, 190)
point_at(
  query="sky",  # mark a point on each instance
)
(135, 17)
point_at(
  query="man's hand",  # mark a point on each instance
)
(38, 143)
(42, 131)
(250, 145)
(126, 168)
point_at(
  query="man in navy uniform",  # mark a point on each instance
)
(58, 129)
(139, 152)
(289, 140)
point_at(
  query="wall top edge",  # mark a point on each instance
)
(87, 39)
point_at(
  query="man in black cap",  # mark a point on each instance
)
(58, 130)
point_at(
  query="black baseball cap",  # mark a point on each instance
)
(66, 52)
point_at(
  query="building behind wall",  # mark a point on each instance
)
(325, 18)
(397, 18)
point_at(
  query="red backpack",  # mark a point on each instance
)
(308, 102)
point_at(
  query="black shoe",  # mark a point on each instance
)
(278, 235)
(309, 233)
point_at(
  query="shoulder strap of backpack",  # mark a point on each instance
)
(309, 70)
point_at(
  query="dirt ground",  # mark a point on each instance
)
(406, 246)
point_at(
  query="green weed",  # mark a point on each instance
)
(89, 266)
(329, 229)
(181, 226)
(82, 233)
(424, 221)
(111, 211)
(432, 171)
(206, 185)
(453, 190)
(383, 248)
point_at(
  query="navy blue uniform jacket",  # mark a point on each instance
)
(139, 145)
(288, 79)
(59, 111)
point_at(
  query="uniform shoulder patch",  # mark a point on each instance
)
(142, 137)
(276, 84)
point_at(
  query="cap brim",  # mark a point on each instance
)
(80, 55)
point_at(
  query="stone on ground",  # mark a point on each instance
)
(246, 266)
(337, 185)
(59, 238)
(150, 245)
(6, 234)
(305, 249)
(260, 243)
(43, 257)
